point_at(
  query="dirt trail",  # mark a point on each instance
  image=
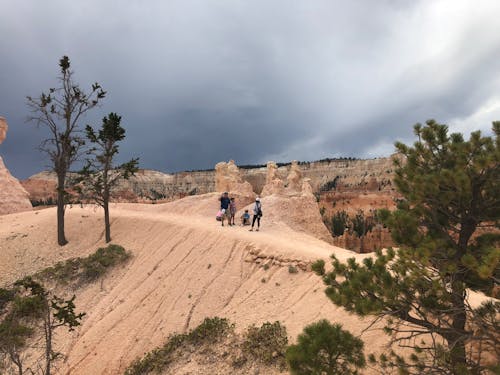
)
(185, 267)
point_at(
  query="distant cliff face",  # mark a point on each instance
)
(370, 174)
(148, 185)
(145, 186)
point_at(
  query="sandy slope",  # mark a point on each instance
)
(185, 267)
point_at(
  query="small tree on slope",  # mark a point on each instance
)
(98, 177)
(324, 348)
(60, 111)
(451, 188)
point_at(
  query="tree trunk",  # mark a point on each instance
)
(106, 220)
(456, 341)
(16, 359)
(48, 341)
(61, 238)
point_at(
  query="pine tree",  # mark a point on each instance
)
(99, 177)
(324, 348)
(451, 196)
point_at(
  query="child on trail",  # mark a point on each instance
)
(245, 218)
(257, 214)
(224, 207)
(232, 211)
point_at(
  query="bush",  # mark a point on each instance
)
(330, 185)
(267, 343)
(209, 331)
(324, 348)
(361, 225)
(6, 295)
(292, 269)
(82, 270)
(340, 221)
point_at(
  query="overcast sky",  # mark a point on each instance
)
(198, 82)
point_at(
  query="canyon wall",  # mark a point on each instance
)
(340, 175)
(13, 197)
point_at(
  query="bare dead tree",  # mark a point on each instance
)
(60, 111)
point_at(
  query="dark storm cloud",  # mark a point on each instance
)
(198, 82)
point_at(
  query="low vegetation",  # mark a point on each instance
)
(359, 224)
(322, 348)
(266, 344)
(30, 317)
(325, 348)
(84, 270)
(30, 313)
(210, 331)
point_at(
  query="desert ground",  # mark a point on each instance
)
(185, 267)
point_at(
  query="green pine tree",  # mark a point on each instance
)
(324, 348)
(99, 177)
(451, 196)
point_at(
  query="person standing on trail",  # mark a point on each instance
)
(232, 211)
(224, 207)
(257, 214)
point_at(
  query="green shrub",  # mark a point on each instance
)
(209, 331)
(325, 348)
(292, 269)
(6, 296)
(88, 269)
(340, 220)
(29, 306)
(267, 343)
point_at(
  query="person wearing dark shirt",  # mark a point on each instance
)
(224, 207)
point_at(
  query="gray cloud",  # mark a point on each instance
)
(198, 82)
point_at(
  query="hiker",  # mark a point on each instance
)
(257, 214)
(224, 207)
(245, 218)
(232, 211)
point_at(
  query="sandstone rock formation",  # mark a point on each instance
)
(42, 188)
(378, 238)
(274, 184)
(3, 129)
(293, 202)
(13, 197)
(228, 178)
(295, 185)
(294, 179)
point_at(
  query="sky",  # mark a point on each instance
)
(198, 82)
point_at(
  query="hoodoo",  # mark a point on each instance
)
(13, 197)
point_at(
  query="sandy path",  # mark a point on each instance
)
(185, 267)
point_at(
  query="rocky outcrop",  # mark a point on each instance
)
(292, 202)
(13, 197)
(3, 129)
(274, 184)
(228, 178)
(378, 238)
(294, 178)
